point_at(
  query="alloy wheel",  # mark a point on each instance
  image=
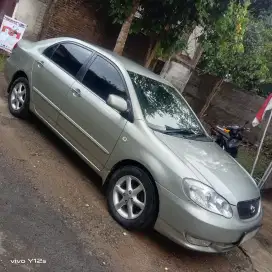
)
(18, 96)
(129, 197)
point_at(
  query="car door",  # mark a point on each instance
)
(53, 74)
(92, 125)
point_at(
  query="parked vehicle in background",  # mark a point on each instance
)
(160, 167)
(229, 138)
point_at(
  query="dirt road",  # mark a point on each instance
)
(52, 207)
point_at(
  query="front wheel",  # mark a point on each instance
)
(132, 198)
(19, 97)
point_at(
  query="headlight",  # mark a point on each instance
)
(207, 198)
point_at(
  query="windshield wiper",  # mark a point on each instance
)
(190, 134)
(179, 131)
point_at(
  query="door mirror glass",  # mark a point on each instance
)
(118, 103)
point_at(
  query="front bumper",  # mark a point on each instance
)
(181, 217)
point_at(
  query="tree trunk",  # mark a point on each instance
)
(122, 38)
(154, 65)
(151, 45)
(155, 47)
(211, 96)
(152, 54)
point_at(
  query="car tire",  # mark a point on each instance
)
(144, 200)
(19, 97)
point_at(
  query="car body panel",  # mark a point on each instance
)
(50, 85)
(186, 218)
(212, 165)
(95, 137)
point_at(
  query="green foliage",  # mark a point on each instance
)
(119, 10)
(259, 7)
(182, 17)
(166, 21)
(171, 45)
(256, 62)
(226, 26)
(163, 21)
(235, 47)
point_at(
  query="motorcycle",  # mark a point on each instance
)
(229, 138)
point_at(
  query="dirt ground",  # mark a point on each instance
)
(71, 189)
(260, 249)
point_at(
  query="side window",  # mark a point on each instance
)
(48, 52)
(70, 57)
(103, 79)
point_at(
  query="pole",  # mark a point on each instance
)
(261, 144)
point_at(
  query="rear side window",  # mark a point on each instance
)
(70, 57)
(104, 79)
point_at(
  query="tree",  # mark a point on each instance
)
(160, 20)
(123, 11)
(230, 52)
(170, 23)
(163, 21)
(259, 7)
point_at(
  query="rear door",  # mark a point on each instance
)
(54, 72)
(92, 125)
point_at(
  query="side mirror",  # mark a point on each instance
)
(118, 103)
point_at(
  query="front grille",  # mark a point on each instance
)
(248, 209)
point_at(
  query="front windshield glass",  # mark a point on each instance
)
(163, 108)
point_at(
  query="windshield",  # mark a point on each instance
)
(163, 108)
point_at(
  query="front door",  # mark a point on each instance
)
(54, 73)
(93, 125)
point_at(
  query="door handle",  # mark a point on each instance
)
(40, 63)
(76, 92)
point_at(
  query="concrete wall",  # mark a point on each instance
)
(230, 106)
(178, 74)
(31, 12)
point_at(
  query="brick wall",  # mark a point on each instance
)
(72, 18)
(79, 19)
(230, 106)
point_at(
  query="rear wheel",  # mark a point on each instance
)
(132, 198)
(19, 97)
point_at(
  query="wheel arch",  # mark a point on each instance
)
(18, 74)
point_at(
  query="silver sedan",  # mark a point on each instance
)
(160, 167)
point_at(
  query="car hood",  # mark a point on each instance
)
(214, 167)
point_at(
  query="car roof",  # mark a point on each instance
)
(127, 64)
